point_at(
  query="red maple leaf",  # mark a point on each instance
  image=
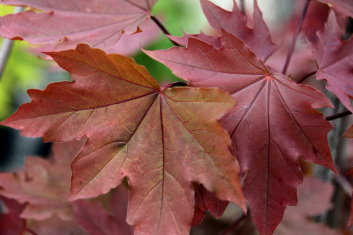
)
(314, 199)
(258, 39)
(273, 125)
(65, 23)
(335, 61)
(163, 140)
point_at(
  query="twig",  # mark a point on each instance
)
(6, 48)
(306, 77)
(164, 29)
(339, 115)
(234, 225)
(346, 186)
(295, 36)
(242, 6)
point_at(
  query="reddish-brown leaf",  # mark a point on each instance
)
(96, 220)
(163, 140)
(65, 23)
(43, 185)
(273, 125)
(258, 39)
(335, 61)
(344, 7)
(10, 221)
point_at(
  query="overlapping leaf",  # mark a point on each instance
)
(258, 39)
(273, 125)
(314, 199)
(65, 23)
(43, 185)
(206, 201)
(335, 61)
(163, 140)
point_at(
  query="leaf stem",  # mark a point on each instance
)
(6, 48)
(295, 36)
(339, 115)
(163, 29)
(346, 186)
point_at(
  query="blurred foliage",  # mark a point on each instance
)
(23, 70)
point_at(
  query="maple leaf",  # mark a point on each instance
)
(163, 140)
(257, 39)
(91, 216)
(335, 61)
(344, 7)
(63, 24)
(42, 184)
(10, 221)
(272, 126)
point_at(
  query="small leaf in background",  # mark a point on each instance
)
(96, 220)
(258, 39)
(100, 25)
(335, 61)
(207, 202)
(314, 199)
(44, 185)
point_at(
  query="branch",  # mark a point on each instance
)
(339, 115)
(343, 182)
(6, 48)
(242, 6)
(163, 29)
(295, 36)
